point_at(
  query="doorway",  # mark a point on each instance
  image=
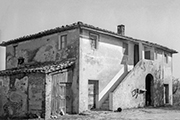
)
(61, 94)
(136, 54)
(92, 93)
(166, 90)
(149, 90)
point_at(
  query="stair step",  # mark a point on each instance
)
(105, 104)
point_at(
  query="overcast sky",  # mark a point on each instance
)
(153, 20)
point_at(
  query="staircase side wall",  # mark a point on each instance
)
(126, 95)
(22, 95)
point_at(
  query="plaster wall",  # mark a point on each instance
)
(166, 69)
(71, 51)
(101, 64)
(72, 75)
(126, 96)
(22, 95)
(43, 49)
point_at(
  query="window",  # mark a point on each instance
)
(62, 41)
(125, 48)
(94, 40)
(1, 83)
(15, 50)
(156, 55)
(20, 60)
(148, 55)
(166, 58)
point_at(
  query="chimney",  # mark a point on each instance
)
(121, 30)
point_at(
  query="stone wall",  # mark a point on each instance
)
(22, 95)
(43, 49)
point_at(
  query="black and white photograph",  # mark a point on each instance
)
(89, 60)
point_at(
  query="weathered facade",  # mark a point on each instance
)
(79, 67)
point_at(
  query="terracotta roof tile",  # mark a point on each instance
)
(81, 24)
(39, 68)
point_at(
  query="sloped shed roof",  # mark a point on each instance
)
(39, 68)
(85, 26)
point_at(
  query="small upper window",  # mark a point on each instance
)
(15, 50)
(94, 40)
(156, 55)
(20, 61)
(166, 58)
(148, 55)
(1, 83)
(62, 41)
(125, 48)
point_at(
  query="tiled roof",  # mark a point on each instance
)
(82, 25)
(41, 68)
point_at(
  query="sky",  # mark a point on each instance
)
(156, 21)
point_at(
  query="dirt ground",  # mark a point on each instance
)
(161, 113)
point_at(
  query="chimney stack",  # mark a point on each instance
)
(121, 30)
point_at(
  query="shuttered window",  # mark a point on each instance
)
(62, 41)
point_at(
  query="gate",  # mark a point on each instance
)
(60, 94)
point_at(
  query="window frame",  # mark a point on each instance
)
(15, 50)
(94, 42)
(1, 83)
(60, 41)
(125, 48)
(148, 53)
(156, 55)
(166, 58)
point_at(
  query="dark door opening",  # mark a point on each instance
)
(136, 54)
(166, 90)
(149, 90)
(92, 93)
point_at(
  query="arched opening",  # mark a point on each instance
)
(149, 90)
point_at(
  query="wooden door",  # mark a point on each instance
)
(61, 94)
(58, 101)
(92, 94)
(68, 98)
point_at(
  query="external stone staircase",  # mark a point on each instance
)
(106, 98)
(105, 104)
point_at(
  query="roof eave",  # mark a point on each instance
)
(82, 25)
(51, 67)
(127, 38)
(40, 34)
